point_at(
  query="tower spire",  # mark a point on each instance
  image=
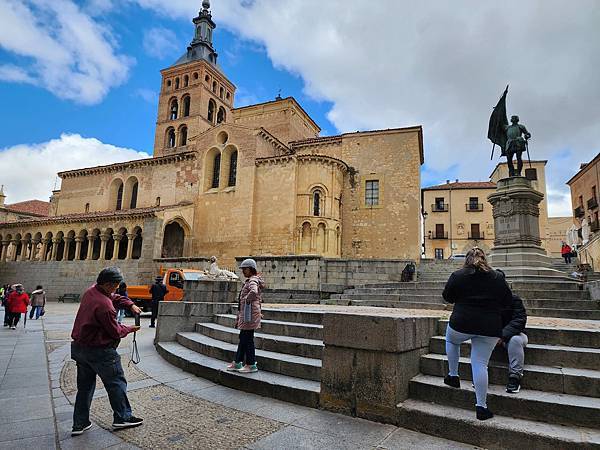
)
(201, 46)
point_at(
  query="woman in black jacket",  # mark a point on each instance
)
(479, 294)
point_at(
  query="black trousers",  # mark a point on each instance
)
(246, 350)
(154, 312)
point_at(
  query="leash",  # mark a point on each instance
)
(135, 354)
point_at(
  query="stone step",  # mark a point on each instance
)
(291, 315)
(562, 304)
(408, 285)
(558, 409)
(292, 366)
(294, 301)
(500, 432)
(564, 294)
(395, 298)
(538, 334)
(394, 291)
(536, 354)
(394, 304)
(540, 378)
(268, 384)
(546, 285)
(585, 314)
(309, 348)
(293, 329)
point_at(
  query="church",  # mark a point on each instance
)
(229, 181)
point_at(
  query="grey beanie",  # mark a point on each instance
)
(250, 263)
(110, 275)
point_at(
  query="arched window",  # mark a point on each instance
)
(173, 241)
(83, 250)
(233, 168)
(316, 203)
(216, 171)
(186, 106)
(186, 81)
(195, 75)
(134, 195)
(157, 201)
(87, 207)
(173, 110)
(119, 198)
(221, 92)
(211, 110)
(221, 115)
(137, 244)
(183, 133)
(171, 138)
(214, 87)
(176, 83)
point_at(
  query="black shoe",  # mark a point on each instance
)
(152, 326)
(452, 381)
(483, 413)
(514, 385)
(128, 423)
(79, 429)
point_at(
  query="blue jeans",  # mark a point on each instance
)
(481, 350)
(106, 363)
(38, 311)
(120, 315)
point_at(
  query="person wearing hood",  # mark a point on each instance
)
(18, 301)
(38, 302)
(248, 318)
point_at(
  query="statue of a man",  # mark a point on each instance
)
(516, 143)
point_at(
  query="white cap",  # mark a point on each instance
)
(250, 263)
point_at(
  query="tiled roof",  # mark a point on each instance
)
(33, 207)
(462, 185)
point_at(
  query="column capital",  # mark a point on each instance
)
(131, 236)
(5, 243)
(91, 237)
(68, 239)
(46, 240)
(56, 240)
(79, 239)
(117, 237)
(104, 237)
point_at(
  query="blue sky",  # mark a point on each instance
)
(79, 78)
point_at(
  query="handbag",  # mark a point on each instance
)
(43, 311)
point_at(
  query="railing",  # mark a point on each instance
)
(592, 203)
(438, 235)
(439, 207)
(579, 212)
(477, 236)
(474, 207)
(594, 226)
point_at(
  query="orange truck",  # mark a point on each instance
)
(173, 279)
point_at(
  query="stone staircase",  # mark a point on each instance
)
(558, 406)
(289, 296)
(289, 348)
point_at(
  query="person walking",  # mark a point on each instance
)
(96, 335)
(248, 318)
(479, 294)
(18, 301)
(38, 302)
(122, 291)
(158, 291)
(7, 290)
(566, 251)
(514, 340)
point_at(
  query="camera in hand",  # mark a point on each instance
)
(137, 320)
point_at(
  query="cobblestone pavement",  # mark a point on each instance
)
(181, 411)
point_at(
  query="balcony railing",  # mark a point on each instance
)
(592, 203)
(477, 236)
(435, 235)
(439, 207)
(579, 212)
(595, 226)
(474, 207)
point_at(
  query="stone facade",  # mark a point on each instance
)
(584, 187)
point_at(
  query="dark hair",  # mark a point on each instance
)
(122, 285)
(252, 270)
(39, 286)
(109, 275)
(475, 259)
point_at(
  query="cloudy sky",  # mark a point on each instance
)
(79, 79)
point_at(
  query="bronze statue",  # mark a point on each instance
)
(512, 139)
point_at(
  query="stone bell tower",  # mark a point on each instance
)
(195, 95)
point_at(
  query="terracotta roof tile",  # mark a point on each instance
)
(33, 207)
(462, 185)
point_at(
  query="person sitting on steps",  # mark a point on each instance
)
(514, 340)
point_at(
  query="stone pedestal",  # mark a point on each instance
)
(517, 244)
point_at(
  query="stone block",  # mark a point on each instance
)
(170, 309)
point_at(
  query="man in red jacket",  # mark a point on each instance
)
(96, 335)
(17, 305)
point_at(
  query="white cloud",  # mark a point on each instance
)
(148, 95)
(29, 170)
(15, 74)
(64, 50)
(161, 43)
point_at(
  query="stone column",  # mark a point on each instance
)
(117, 238)
(103, 240)
(34, 244)
(15, 244)
(90, 253)
(44, 249)
(78, 241)
(313, 239)
(24, 247)
(4, 250)
(130, 238)
(68, 241)
(55, 242)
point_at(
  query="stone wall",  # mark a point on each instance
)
(313, 273)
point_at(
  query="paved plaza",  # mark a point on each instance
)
(181, 411)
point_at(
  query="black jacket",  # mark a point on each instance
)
(158, 291)
(514, 319)
(479, 299)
